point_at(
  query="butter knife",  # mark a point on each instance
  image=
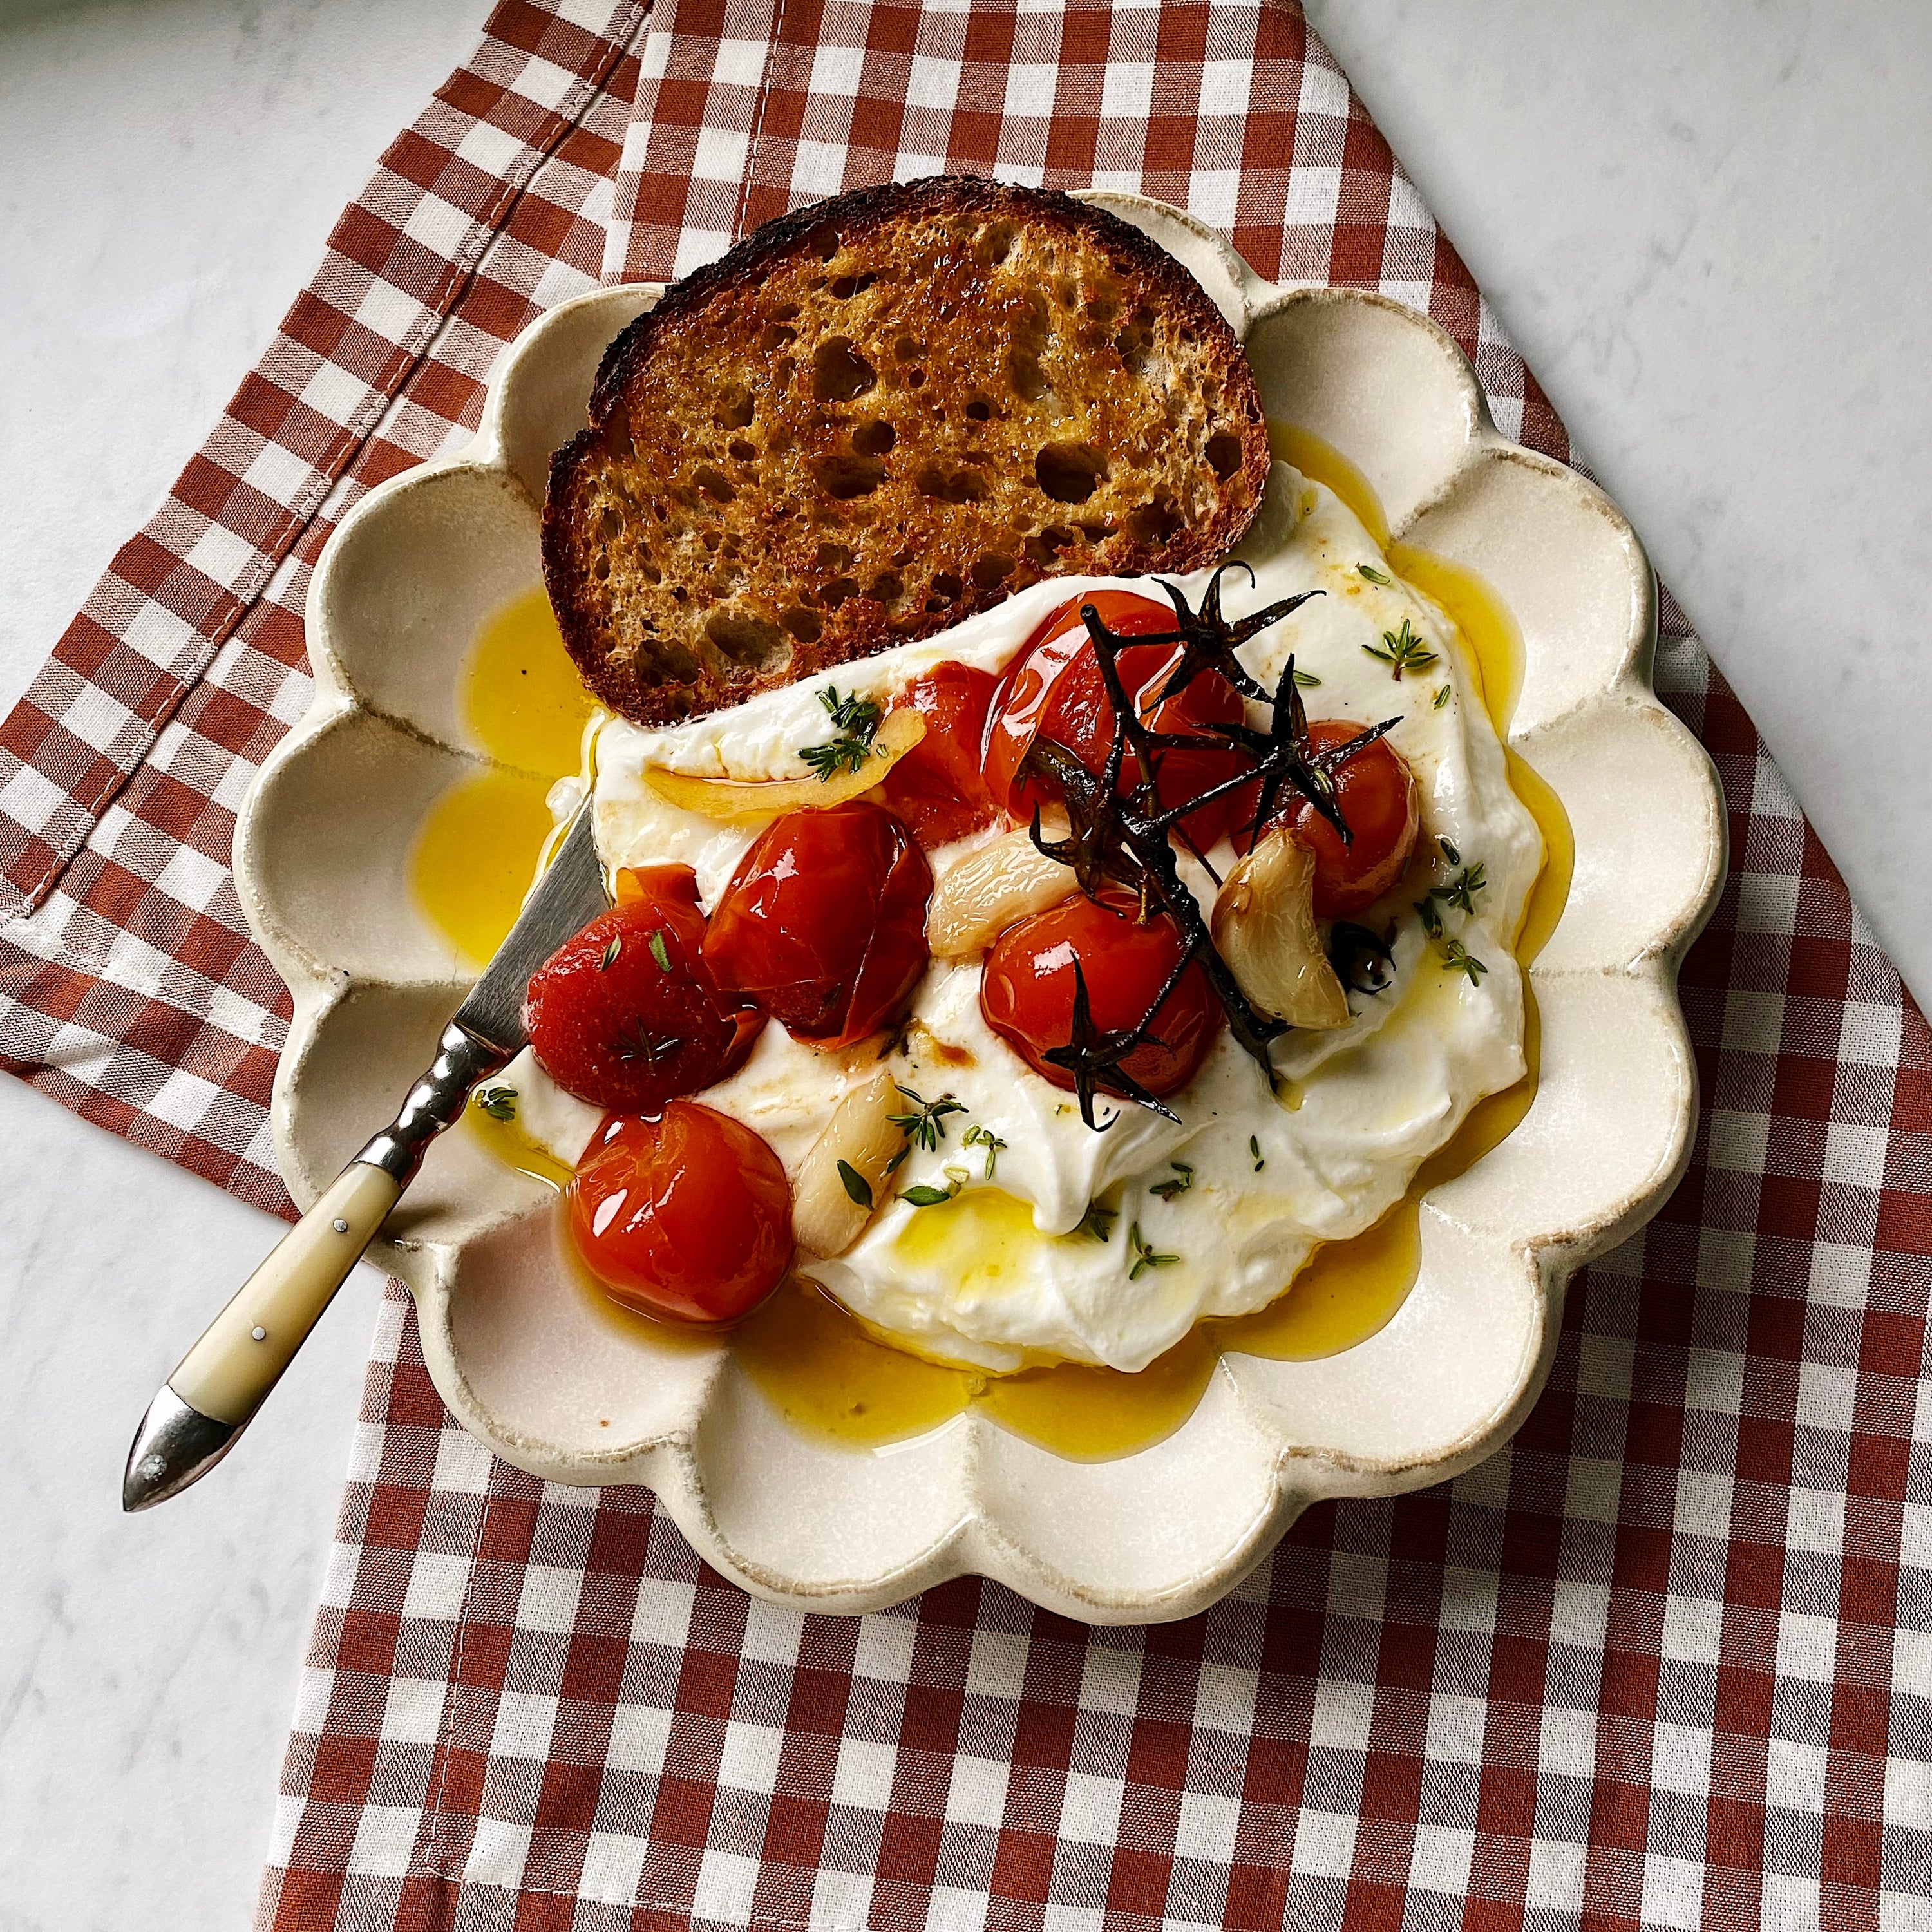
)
(201, 1409)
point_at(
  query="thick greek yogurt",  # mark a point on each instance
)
(1004, 1275)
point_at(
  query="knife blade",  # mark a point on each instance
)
(202, 1408)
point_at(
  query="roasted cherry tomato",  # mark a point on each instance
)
(937, 787)
(626, 1015)
(688, 1215)
(823, 923)
(1054, 689)
(1027, 990)
(1376, 792)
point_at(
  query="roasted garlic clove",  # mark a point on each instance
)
(1264, 927)
(826, 1220)
(991, 889)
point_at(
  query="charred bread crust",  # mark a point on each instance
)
(784, 471)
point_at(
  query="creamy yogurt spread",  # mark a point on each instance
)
(1014, 1269)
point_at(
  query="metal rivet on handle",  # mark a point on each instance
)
(261, 1334)
(340, 1226)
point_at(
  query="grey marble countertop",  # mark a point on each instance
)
(1706, 226)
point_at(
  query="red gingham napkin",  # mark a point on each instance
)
(1665, 1661)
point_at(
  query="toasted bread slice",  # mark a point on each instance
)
(878, 415)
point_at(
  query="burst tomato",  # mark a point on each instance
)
(937, 787)
(1054, 689)
(626, 1014)
(823, 923)
(1027, 992)
(1377, 794)
(687, 1215)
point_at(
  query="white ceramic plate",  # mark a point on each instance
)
(322, 859)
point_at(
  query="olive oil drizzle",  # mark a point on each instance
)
(831, 1374)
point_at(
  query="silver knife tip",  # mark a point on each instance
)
(175, 1446)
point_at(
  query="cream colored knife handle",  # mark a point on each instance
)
(204, 1404)
(242, 1356)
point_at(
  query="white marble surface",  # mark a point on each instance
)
(1708, 227)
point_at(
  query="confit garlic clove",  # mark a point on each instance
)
(1264, 927)
(825, 1219)
(994, 888)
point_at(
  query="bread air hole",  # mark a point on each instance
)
(1070, 473)
(713, 483)
(959, 486)
(833, 556)
(823, 241)
(1224, 454)
(1023, 372)
(839, 373)
(751, 643)
(874, 439)
(995, 244)
(737, 410)
(1155, 523)
(848, 474)
(835, 592)
(979, 409)
(945, 589)
(988, 573)
(887, 589)
(807, 626)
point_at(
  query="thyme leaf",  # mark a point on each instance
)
(1144, 1257)
(610, 952)
(660, 952)
(1374, 576)
(1306, 679)
(1441, 698)
(1254, 1153)
(858, 1188)
(499, 1102)
(923, 1196)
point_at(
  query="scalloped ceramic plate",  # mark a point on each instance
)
(322, 860)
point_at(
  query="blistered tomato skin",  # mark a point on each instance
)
(1027, 992)
(823, 923)
(1376, 791)
(937, 787)
(613, 1023)
(687, 1215)
(1055, 689)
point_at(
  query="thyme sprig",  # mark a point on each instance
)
(1178, 1183)
(1144, 1257)
(638, 1042)
(499, 1102)
(984, 1137)
(1403, 651)
(857, 721)
(924, 1125)
(1098, 1221)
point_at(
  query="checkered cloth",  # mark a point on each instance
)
(1667, 1660)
